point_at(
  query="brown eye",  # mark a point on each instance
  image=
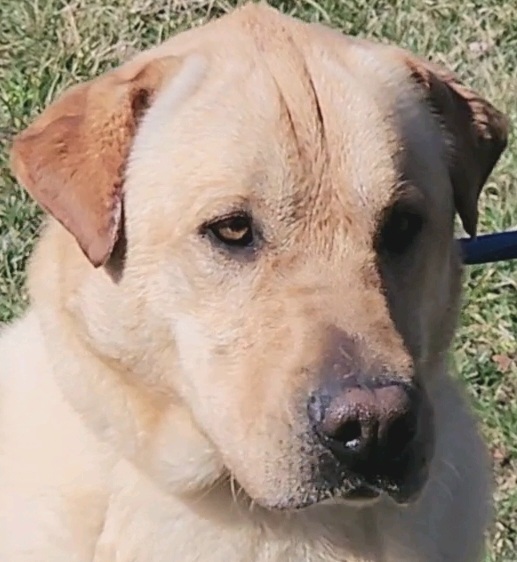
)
(235, 231)
(399, 230)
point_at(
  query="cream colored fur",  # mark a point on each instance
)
(148, 418)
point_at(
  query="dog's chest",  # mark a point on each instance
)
(143, 525)
(189, 542)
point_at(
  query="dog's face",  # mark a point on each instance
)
(288, 205)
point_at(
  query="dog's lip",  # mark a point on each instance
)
(403, 496)
(362, 492)
(403, 490)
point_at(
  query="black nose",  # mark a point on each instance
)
(369, 428)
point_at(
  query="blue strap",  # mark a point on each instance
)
(500, 246)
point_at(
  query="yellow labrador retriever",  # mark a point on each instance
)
(242, 305)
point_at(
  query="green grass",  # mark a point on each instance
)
(46, 45)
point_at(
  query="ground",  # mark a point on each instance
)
(46, 45)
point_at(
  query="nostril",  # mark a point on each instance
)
(349, 434)
(400, 433)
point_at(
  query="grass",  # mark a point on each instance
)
(46, 45)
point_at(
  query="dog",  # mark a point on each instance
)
(242, 305)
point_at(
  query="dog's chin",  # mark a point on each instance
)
(292, 503)
(357, 496)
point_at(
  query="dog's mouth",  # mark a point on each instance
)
(357, 491)
(401, 480)
(402, 493)
(348, 489)
(330, 483)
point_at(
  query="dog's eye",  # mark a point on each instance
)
(234, 231)
(399, 230)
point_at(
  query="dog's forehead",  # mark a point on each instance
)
(297, 110)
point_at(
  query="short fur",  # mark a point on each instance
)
(153, 397)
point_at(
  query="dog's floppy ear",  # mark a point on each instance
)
(72, 158)
(476, 133)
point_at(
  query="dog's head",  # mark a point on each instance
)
(271, 205)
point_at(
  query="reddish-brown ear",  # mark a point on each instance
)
(475, 130)
(72, 158)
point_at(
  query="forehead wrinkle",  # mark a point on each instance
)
(313, 198)
(285, 63)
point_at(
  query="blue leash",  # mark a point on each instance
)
(487, 248)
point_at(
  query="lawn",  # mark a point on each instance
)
(46, 45)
